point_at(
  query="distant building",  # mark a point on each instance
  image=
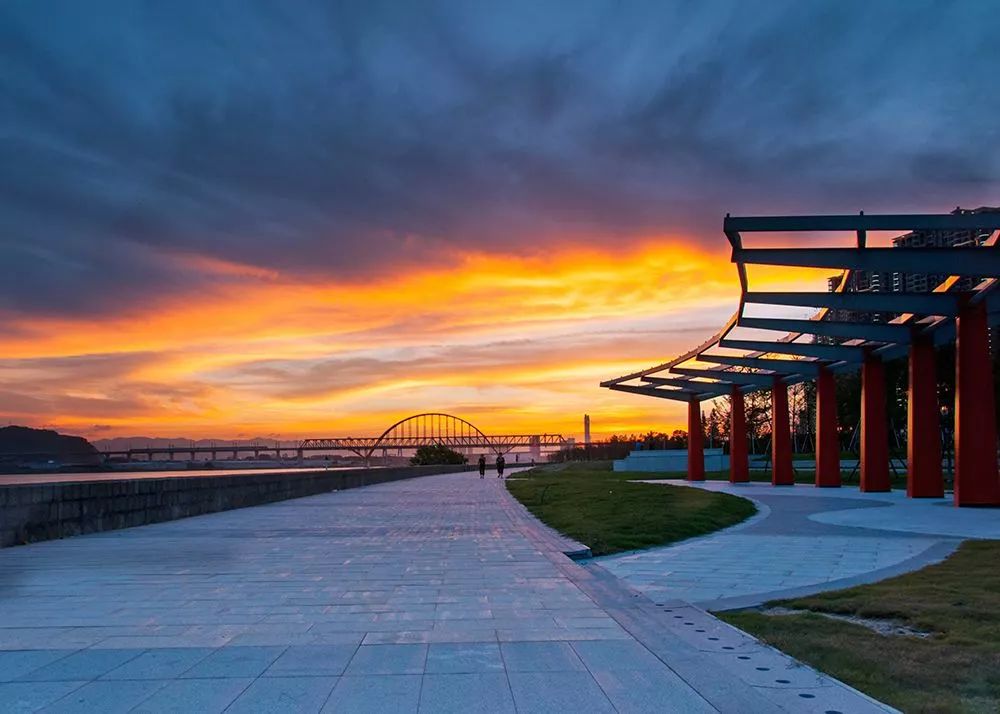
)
(922, 282)
(586, 428)
(879, 282)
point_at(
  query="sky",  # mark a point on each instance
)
(313, 218)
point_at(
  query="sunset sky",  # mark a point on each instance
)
(309, 218)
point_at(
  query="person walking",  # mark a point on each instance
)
(500, 465)
(482, 466)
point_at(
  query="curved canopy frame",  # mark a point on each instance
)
(845, 342)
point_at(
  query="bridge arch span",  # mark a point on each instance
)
(429, 428)
(437, 427)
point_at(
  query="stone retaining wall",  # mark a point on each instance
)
(35, 512)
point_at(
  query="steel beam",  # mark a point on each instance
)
(781, 436)
(923, 433)
(739, 464)
(782, 366)
(689, 385)
(827, 439)
(962, 260)
(977, 482)
(830, 353)
(917, 303)
(757, 380)
(696, 444)
(862, 222)
(678, 395)
(874, 427)
(832, 328)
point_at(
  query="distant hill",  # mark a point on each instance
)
(45, 444)
(121, 443)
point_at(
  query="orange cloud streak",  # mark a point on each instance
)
(217, 340)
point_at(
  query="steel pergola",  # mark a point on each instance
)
(842, 335)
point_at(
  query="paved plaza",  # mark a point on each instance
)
(803, 540)
(436, 594)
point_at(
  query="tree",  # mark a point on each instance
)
(678, 439)
(436, 455)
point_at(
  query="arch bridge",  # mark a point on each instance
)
(435, 429)
(427, 429)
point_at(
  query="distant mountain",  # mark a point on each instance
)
(121, 443)
(45, 444)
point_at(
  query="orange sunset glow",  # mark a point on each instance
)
(518, 343)
(515, 343)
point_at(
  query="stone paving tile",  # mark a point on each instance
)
(478, 693)
(20, 663)
(312, 661)
(540, 657)
(616, 655)
(833, 699)
(273, 695)
(82, 665)
(234, 662)
(183, 696)
(464, 658)
(18, 697)
(375, 695)
(649, 691)
(546, 692)
(430, 636)
(388, 659)
(107, 697)
(159, 664)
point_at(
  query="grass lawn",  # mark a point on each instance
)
(956, 669)
(598, 507)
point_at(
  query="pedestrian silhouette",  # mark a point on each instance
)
(500, 465)
(482, 466)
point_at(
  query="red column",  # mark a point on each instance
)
(827, 441)
(874, 431)
(696, 455)
(739, 466)
(781, 436)
(923, 427)
(976, 479)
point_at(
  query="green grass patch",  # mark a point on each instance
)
(594, 505)
(956, 669)
(849, 477)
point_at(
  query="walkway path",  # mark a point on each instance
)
(435, 594)
(803, 540)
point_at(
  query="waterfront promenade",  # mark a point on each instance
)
(433, 594)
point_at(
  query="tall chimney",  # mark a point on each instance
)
(586, 428)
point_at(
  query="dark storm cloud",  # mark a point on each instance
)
(341, 138)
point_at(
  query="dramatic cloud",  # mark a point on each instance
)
(228, 194)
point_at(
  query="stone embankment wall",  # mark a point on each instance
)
(35, 512)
